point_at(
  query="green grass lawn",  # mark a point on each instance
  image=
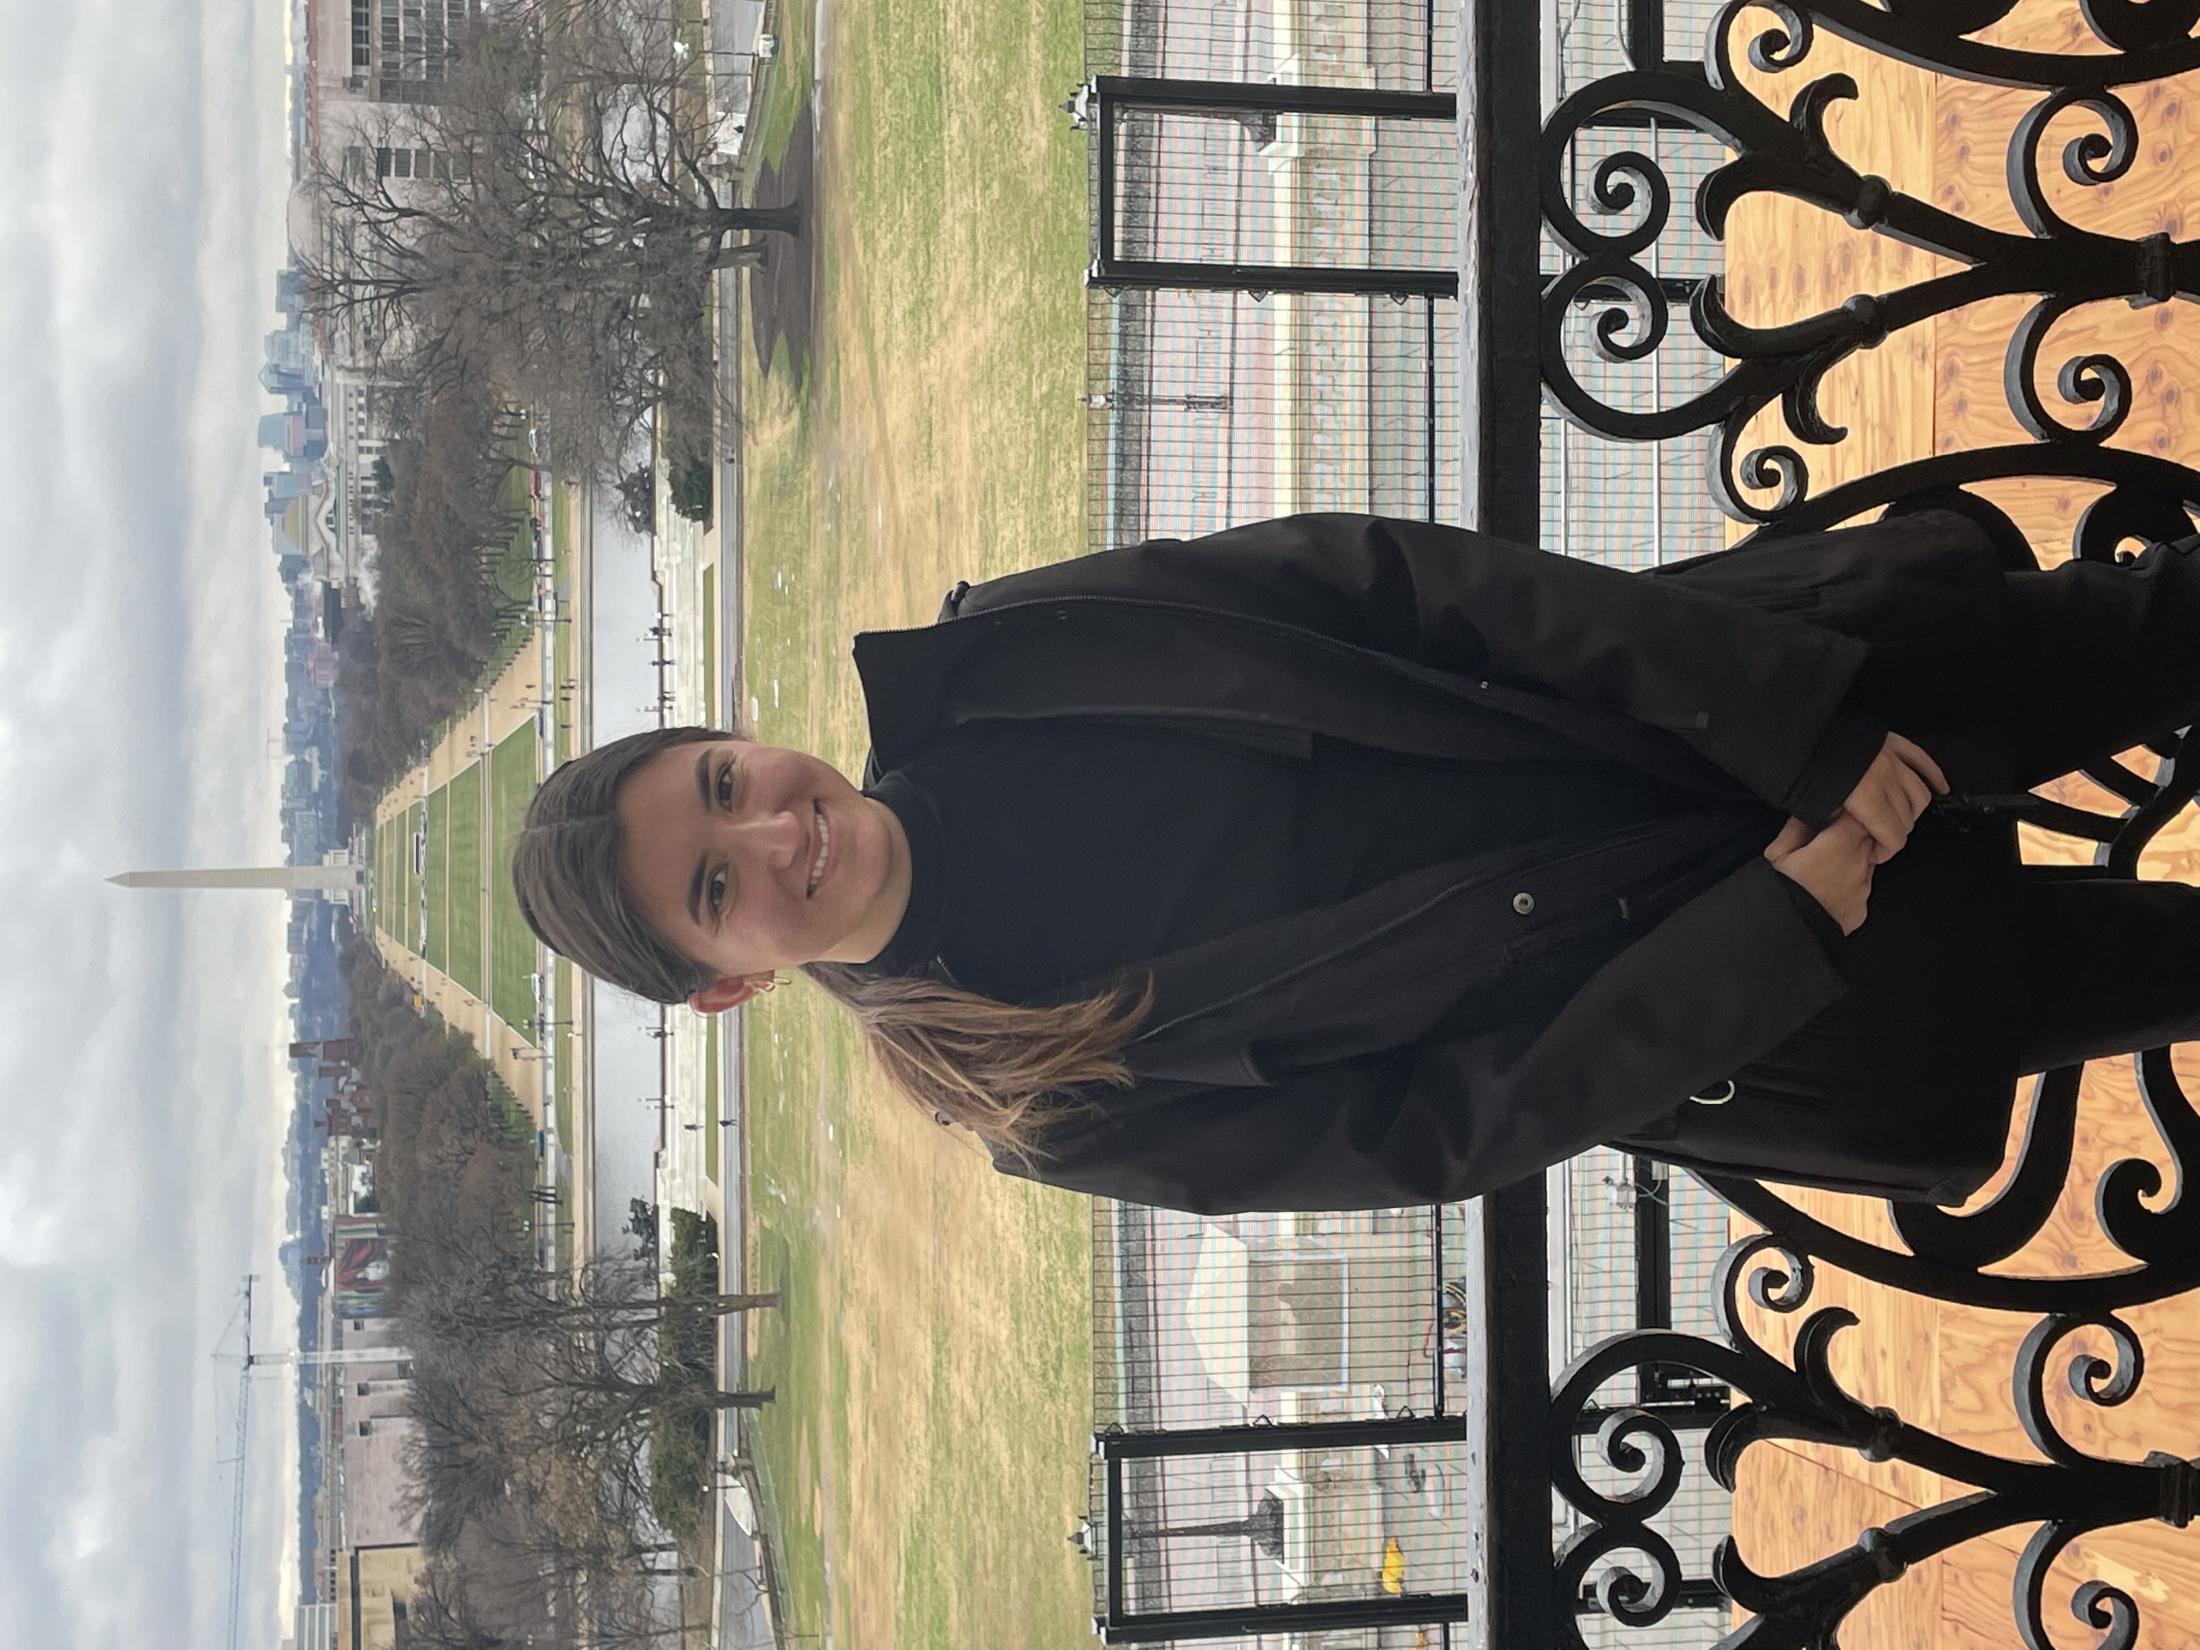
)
(515, 955)
(439, 879)
(416, 824)
(390, 909)
(935, 1407)
(465, 874)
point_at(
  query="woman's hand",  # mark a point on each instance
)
(1893, 792)
(1834, 867)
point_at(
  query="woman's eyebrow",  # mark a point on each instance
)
(695, 883)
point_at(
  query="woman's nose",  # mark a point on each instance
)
(778, 835)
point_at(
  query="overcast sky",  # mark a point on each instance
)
(142, 1083)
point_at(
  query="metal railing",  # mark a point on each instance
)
(1206, 1330)
(1516, 1421)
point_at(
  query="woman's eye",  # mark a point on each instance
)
(725, 786)
(717, 891)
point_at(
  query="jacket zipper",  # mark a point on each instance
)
(1695, 722)
(1434, 899)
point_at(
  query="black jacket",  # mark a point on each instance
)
(1334, 1058)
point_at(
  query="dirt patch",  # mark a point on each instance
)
(783, 293)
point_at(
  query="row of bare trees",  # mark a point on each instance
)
(550, 225)
(453, 575)
(542, 1395)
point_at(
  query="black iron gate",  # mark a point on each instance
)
(1186, 436)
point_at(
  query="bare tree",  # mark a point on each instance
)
(555, 1413)
(598, 1380)
(551, 224)
(440, 1616)
(477, 1286)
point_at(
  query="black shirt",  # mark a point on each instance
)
(1044, 853)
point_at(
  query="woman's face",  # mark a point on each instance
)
(718, 842)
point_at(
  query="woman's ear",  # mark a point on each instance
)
(728, 992)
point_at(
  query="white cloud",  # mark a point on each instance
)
(141, 1036)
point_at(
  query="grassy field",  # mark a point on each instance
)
(416, 823)
(475, 934)
(933, 1426)
(464, 874)
(439, 879)
(511, 783)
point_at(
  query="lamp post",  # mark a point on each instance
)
(1263, 1526)
(1107, 400)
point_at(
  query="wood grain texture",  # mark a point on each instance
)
(1938, 388)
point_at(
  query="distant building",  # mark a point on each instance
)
(374, 1551)
(373, 1586)
(358, 436)
(359, 1251)
(300, 431)
(367, 61)
(352, 1114)
(291, 347)
(282, 487)
(377, 1489)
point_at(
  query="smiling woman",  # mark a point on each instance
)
(676, 863)
(1431, 859)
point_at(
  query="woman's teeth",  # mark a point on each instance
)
(824, 846)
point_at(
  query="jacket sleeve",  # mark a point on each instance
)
(1762, 695)
(1720, 982)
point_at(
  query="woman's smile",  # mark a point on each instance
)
(821, 863)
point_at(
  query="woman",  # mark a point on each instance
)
(1342, 862)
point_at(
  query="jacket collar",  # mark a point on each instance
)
(1256, 680)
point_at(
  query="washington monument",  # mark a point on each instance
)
(296, 879)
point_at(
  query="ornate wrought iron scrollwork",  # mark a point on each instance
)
(1620, 1560)
(1947, 1254)
(2068, 1494)
(2070, 267)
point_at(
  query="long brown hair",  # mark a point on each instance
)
(997, 1068)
